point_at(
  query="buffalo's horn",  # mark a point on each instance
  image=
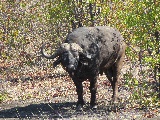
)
(63, 47)
(49, 56)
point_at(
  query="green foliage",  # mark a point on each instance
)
(143, 95)
(3, 96)
(142, 20)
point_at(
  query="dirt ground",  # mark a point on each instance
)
(54, 97)
(67, 110)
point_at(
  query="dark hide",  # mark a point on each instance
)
(103, 50)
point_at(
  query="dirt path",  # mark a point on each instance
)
(67, 110)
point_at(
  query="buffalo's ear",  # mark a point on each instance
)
(89, 54)
(84, 57)
(58, 61)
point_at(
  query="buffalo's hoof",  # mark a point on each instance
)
(115, 105)
(79, 107)
(115, 101)
(93, 107)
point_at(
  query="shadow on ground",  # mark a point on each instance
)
(52, 110)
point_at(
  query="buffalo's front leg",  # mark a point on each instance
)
(79, 90)
(93, 91)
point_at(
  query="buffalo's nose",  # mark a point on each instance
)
(71, 67)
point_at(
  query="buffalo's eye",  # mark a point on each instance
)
(64, 58)
(65, 54)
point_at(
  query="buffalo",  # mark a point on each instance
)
(88, 52)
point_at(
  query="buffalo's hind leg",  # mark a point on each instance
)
(109, 74)
(113, 76)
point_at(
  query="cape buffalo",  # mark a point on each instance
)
(88, 52)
